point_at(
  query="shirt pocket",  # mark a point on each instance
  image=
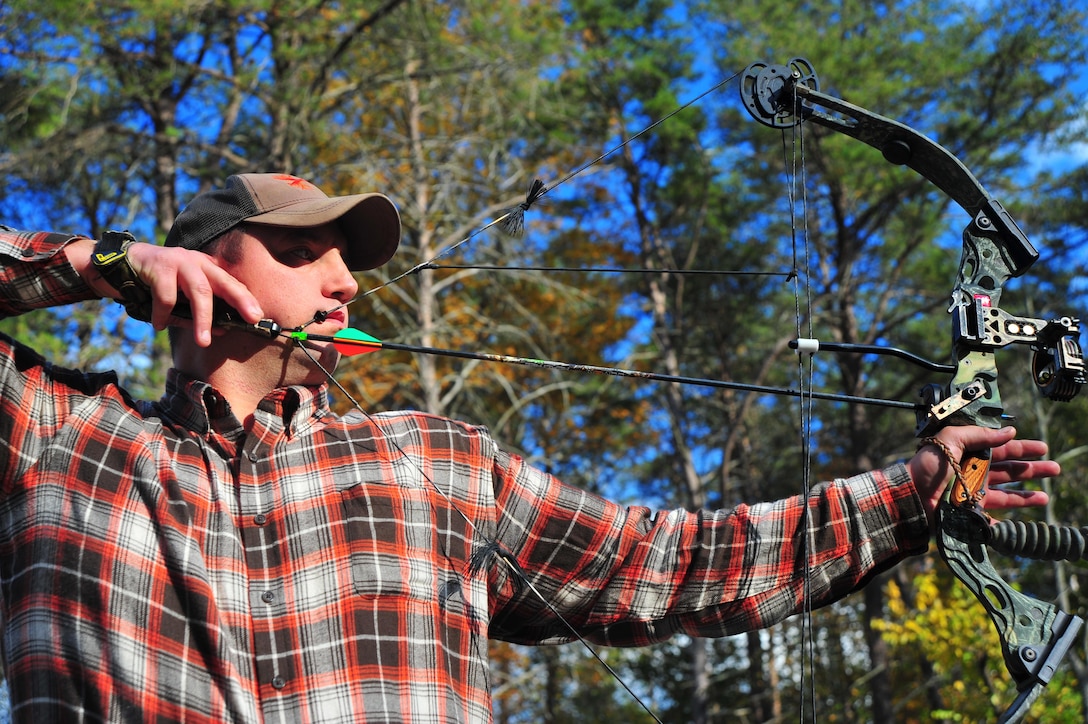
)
(391, 534)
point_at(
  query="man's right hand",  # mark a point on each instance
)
(172, 273)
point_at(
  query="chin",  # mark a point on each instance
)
(310, 374)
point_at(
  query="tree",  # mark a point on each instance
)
(454, 109)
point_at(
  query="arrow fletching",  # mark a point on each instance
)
(354, 341)
(347, 342)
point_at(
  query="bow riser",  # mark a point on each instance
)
(972, 396)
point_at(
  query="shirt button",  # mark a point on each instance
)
(268, 597)
(260, 519)
(278, 682)
(253, 456)
(28, 252)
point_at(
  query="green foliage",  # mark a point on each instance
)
(942, 628)
(112, 114)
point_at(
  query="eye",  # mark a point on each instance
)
(298, 255)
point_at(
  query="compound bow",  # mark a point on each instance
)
(1035, 636)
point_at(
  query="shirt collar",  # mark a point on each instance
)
(199, 407)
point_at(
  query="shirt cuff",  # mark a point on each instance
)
(35, 273)
(907, 530)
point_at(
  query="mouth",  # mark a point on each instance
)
(336, 315)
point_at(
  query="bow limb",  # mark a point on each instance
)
(1034, 635)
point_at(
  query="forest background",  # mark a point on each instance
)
(115, 114)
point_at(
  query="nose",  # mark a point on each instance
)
(340, 283)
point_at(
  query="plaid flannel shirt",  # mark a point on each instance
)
(159, 561)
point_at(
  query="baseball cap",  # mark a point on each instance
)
(370, 221)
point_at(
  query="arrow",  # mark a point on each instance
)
(351, 342)
(348, 342)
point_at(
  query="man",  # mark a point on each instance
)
(235, 552)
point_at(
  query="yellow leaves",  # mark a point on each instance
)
(934, 624)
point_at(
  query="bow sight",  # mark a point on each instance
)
(1035, 635)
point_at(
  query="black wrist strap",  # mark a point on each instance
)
(110, 258)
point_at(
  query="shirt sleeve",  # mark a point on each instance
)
(35, 396)
(629, 577)
(34, 273)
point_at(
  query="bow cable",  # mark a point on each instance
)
(806, 397)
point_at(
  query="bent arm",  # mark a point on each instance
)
(41, 269)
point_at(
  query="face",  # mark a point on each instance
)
(294, 274)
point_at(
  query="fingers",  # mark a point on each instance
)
(1016, 461)
(965, 438)
(1012, 461)
(1017, 449)
(997, 499)
(174, 274)
(165, 293)
(1004, 447)
(1015, 471)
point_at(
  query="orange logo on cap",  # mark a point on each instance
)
(295, 181)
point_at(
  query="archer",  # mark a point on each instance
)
(237, 552)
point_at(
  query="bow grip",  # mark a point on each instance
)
(969, 487)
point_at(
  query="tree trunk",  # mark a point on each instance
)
(880, 688)
(700, 679)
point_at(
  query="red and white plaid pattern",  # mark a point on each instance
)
(159, 562)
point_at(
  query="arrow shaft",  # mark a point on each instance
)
(611, 371)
